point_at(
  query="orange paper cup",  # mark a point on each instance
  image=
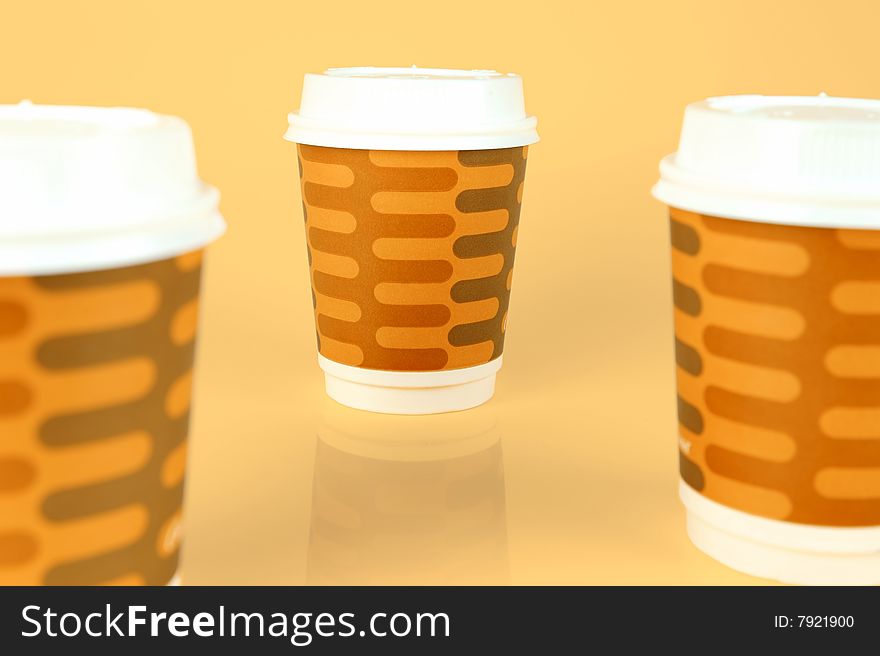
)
(411, 212)
(100, 270)
(776, 281)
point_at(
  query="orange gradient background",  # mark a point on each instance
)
(584, 410)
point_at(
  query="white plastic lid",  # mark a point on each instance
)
(87, 188)
(412, 109)
(812, 161)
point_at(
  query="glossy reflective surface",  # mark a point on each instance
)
(408, 500)
(567, 488)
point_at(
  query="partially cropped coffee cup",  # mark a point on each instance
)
(103, 222)
(775, 224)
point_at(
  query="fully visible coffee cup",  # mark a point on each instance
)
(412, 184)
(102, 225)
(775, 224)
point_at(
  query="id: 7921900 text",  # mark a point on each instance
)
(813, 622)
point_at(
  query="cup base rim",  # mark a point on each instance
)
(808, 555)
(410, 393)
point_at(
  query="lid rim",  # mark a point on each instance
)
(297, 120)
(673, 175)
(109, 250)
(205, 203)
(416, 142)
(769, 210)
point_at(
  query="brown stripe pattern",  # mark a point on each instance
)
(411, 253)
(778, 351)
(95, 373)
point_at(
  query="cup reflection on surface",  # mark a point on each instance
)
(403, 500)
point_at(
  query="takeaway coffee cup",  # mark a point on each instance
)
(102, 225)
(412, 183)
(775, 224)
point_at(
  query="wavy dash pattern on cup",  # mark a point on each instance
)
(95, 453)
(777, 330)
(411, 253)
